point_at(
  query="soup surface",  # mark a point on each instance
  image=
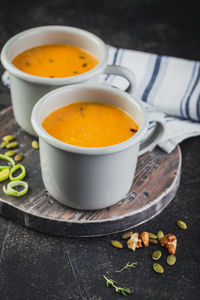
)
(55, 61)
(88, 124)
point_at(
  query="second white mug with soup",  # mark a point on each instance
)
(27, 89)
(92, 177)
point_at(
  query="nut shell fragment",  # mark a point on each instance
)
(170, 242)
(133, 241)
(145, 238)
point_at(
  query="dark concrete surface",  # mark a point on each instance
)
(37, 266)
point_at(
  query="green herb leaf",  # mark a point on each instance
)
(123, 291)
(128, 266)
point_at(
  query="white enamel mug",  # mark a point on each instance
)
(92, 178)
(27, 89)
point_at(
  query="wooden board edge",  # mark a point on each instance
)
(67, 229)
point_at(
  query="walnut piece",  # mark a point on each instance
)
(145, 238)
(170, 242)
(139, 243)
(133, 241)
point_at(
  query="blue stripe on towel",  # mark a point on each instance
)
(187, 90)
(159, 80)
(153, 78)
(146, 76)
(190, 95)
(198, 108)
(114, 61)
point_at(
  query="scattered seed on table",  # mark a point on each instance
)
(171, 259)
(160, 235)
(4, 174)
(10, 153)
(116, 244)
(156, 255)
(152, 235)
(8, 138)
(181, 224)
(153, 241)
(12, 145)
(158, 268)
(3, 145)
(19, 157)
(126, 235)
(35, 144)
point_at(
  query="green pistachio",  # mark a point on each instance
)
(10, 153)
(181, 224)
(160, 235)
(156, 255)
(158, 268)
(171, 259)
(152, 235)
(126, 235)
(12, 145)
(35, 144)
(116, 244)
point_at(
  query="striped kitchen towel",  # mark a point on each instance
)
(171, 85)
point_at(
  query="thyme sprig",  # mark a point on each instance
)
(123, 291)
(128, 266)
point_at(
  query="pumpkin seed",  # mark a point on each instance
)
(35, 144)
(153, 241)
(152, 235)
(4, 174)
(3, 145)
(10, 153)
(160, 235)
(126, 235)
(8, 138)
(181, 224)
(19, 157)
(12, 145)
(171, 259)
(158, 268)
(156, 255)
(116, 244)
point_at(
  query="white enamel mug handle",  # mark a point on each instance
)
(5, 79)
(149, 143)
(123, 72)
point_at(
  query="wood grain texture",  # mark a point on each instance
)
(155, 184)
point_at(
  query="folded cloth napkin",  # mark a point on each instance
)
(171, 85)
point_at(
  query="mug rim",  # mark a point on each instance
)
(53, 81)
(44, 135)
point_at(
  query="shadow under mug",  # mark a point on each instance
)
(92, 178)
(27, 89)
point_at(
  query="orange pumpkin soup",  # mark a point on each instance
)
(55, 61)
(90, 124)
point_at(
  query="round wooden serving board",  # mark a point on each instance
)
(155, 184)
